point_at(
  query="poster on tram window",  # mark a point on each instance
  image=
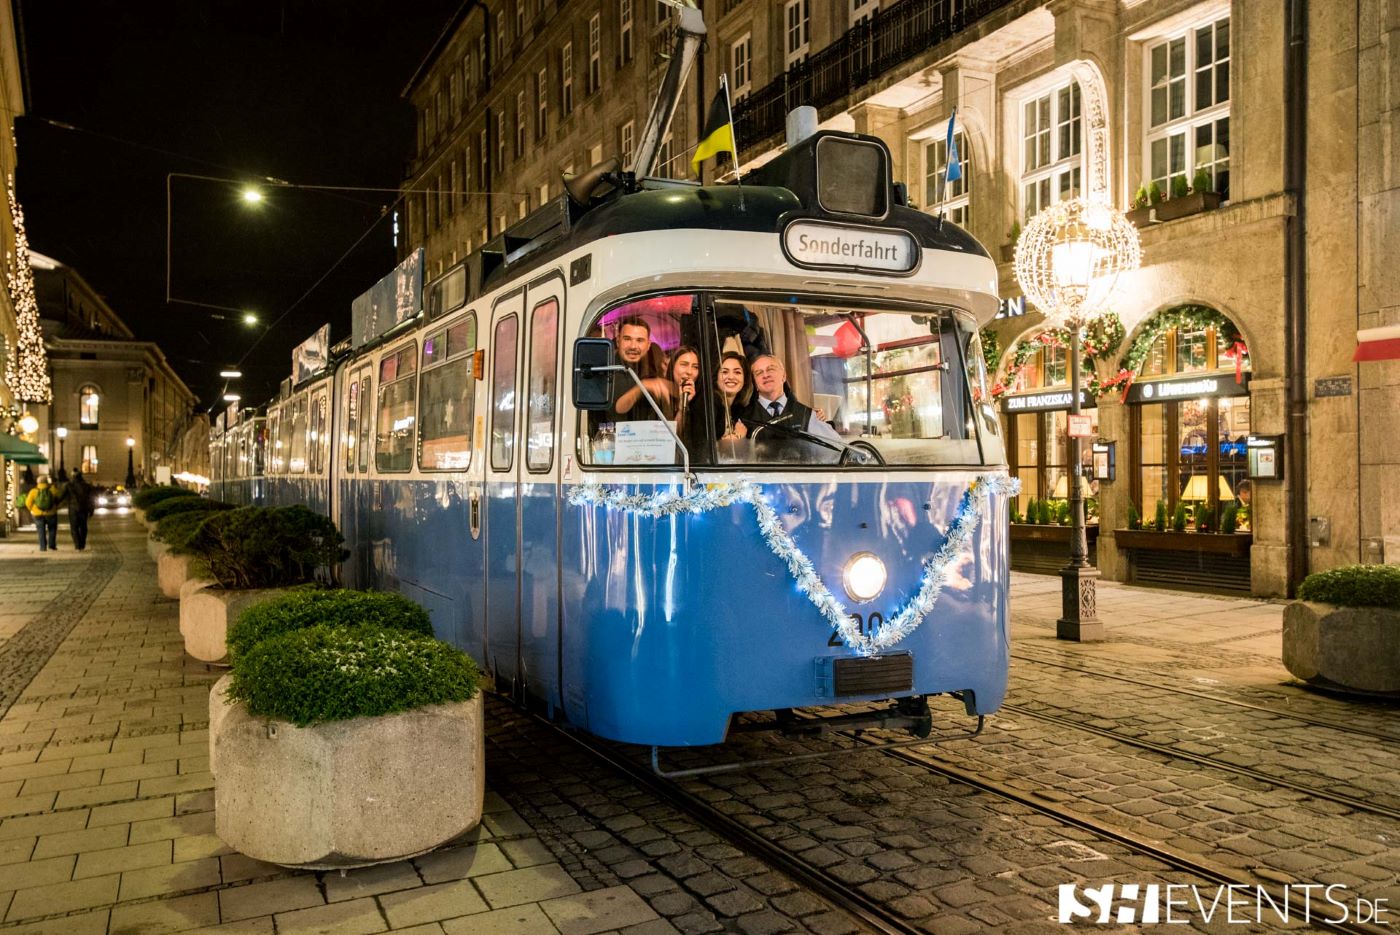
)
(644, 443)
(310, 356)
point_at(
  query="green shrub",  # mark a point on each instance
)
(1140, 198)
(335, 608)
(152, 495)
(1154, 193)
(1354, 586)
(1160, 522)
(1230, 519)
(323, 674)
(1049, 512)
(268, 547)
(1134, 517)
(1201, 182)
(1016, 516)
(1179, 187)
(177, 529)
(174, 505)
(1179, 518)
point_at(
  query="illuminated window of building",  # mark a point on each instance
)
(88, 402)
(1051, 148)
(1188, 106)
(950, 198)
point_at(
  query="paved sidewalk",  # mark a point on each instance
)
(106, 800)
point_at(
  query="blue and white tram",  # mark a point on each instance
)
(482, 463)
(236, 448)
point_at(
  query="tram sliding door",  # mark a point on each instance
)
(538, 475)
(502, 525)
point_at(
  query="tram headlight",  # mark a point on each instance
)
(864, 577)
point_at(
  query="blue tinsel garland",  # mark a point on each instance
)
(898, 626)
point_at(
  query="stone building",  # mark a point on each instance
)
(108, 387)
(1238, 331)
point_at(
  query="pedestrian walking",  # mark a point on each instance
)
(79, 509)
(42, 504)
(26, 484)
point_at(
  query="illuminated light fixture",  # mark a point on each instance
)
(864, 577)
(252, 196)
(28, 424)
(1070, 255)
(130, 442)
(230, 374)
(62, 432)
(231, 397)
(250, 318)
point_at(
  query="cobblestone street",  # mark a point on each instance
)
(1175, 752)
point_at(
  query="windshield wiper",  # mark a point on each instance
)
(839, 447)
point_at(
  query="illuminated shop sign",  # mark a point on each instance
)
(1044, 402)
(1157, 391)
(1012, 308)
(819, 245)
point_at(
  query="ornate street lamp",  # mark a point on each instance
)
(130, 468)
(62, 434)
(1068, 261)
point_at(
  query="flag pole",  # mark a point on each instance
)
(733, 135)
(947, 163)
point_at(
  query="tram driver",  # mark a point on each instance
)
(773, 404)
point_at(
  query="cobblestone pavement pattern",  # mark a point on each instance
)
(106, 822)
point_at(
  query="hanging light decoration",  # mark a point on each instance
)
(26, 366)
(1070, 255)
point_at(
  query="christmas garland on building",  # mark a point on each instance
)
(1186, 318)
(26, 366)
(1102, 337)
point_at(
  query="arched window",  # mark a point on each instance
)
(1191, 435)
(88, 402)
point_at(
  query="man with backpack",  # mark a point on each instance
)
(42, 504)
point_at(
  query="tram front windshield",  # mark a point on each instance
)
(785, 380)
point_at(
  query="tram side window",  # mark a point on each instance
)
(318, 440)
(658, 339)
(352, 416)
(296, 459)
(544, 358)
(449, 398)
(503, 394)
(365, 420)
(277, 457)
(398, 396)
(259, 448)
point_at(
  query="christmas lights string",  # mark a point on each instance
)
(26, 364)
(901, 624)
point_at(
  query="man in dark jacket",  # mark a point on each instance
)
(79, 496)
(773, 404)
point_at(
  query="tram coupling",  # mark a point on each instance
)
(907, 714)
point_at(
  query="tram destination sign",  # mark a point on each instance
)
(823, 245)
(1158, 391)
(1051, 401)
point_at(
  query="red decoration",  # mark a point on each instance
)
(1238, 351)
(848, 341)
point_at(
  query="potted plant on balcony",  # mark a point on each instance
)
(252, 552)
(1343, 631)
(1185, 202)
(348, 747)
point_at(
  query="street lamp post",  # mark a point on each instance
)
(130, 467)
(62, 433)
(1068, 260)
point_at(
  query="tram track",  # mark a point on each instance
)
(871, 913)
(1276, 712)
(1209, 762)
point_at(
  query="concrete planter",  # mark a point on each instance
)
(155, 549)
(140, 515)
(173, 570)
(218, 708)
(206, 613)
(1353, 649)
(348, 793)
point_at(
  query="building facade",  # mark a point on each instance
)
(1223, 393)
(108, 389)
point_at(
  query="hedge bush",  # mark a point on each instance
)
(268, 547)
(177, 529)
(187, 504)
(335, 608)
(150, 496)
(1354, 586)
(323, 674)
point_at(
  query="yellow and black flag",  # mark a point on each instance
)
(719, 130)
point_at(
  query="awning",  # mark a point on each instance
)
(19, 450)
(1378, 344)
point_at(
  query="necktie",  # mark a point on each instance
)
(774, 408)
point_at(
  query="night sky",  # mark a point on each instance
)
(306, 91)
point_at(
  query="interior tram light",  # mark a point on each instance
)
(864, 576)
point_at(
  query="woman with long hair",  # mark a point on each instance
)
(735, 387)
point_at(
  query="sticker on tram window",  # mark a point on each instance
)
(866, 625)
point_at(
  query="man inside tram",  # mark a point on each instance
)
(774, 405)
(637, 353)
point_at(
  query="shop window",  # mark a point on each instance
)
(449, 398)
(1039, 443)
(398, 397)
(89, 402)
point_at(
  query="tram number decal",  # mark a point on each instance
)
(866, 626)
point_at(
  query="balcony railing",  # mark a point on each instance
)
(891, 37)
